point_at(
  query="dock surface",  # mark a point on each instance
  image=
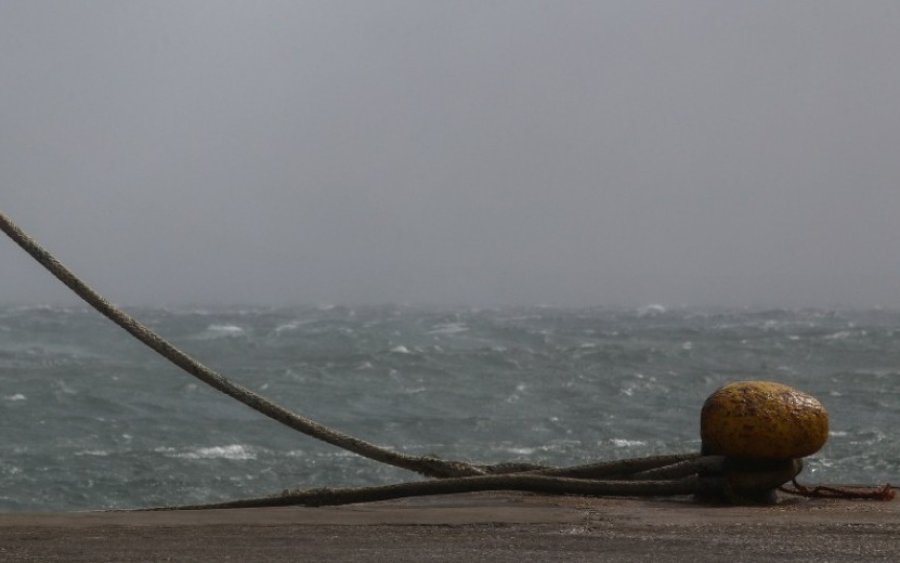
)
(511, 527)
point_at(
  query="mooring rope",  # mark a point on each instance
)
(513, 482)
(687, 474)
(428, 466)
(678, 474)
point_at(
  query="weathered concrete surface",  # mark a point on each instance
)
(476, 527)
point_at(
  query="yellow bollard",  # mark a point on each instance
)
(763, 429)
(762, 420)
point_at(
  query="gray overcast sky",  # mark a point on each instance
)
(473, 152)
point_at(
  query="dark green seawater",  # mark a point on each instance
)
(91, 419)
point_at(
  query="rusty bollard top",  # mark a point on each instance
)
(762, 420)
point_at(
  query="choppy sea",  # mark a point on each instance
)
(91, 419)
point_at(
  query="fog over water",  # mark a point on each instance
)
(469, 152)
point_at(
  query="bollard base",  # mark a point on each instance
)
(748, 481)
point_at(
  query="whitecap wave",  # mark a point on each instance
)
(93, 453)
(840, 335)
(623, 443)
(448, 328)
(223, 331)
(651, 310)
(287, 327)
(232, 451)
(293, 325)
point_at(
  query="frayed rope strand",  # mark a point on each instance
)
(884, 492)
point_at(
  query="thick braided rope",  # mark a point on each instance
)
(509, 482)
(428, 466)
